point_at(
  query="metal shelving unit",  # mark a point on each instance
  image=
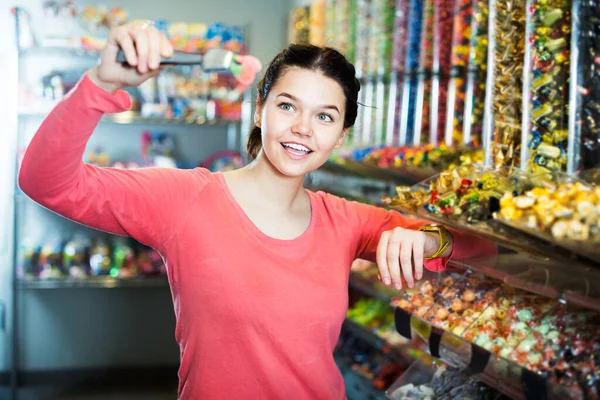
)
(93, 283)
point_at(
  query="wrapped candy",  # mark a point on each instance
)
(570, 211)
(508, 82)
(548, 91)
(507, 321)
(456, 308)
(467, 193)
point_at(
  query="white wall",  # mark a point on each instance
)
(67, 329)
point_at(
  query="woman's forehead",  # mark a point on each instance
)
(310, 87)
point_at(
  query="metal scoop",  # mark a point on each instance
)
(213, 60)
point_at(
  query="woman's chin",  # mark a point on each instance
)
(294, 168)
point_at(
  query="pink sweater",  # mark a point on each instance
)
(257, 317)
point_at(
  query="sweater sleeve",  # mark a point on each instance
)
(373, 221)
(146, 204)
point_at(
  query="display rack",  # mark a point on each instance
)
(540, 273)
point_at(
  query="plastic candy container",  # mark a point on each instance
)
(508, 82)
(442, 45)
(415, 26)
(476, 75)
(548, 85)
(461, 39)
(331, 31)
(363, 31)
(422, 126)
(398, 64)
(587, 100)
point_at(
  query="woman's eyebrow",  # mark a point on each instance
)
(294, 98)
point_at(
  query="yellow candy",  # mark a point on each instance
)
(511, 213)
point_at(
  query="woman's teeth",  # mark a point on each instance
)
(297, 148)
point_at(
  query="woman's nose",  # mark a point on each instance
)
(302, 126)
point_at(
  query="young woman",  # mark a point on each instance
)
(258, 265)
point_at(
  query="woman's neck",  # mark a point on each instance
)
(264, 181)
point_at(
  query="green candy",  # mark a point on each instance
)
(553, 16)
(525, 315)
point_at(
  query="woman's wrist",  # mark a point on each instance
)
(93, 76)
(432, 244)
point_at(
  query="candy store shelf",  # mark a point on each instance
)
(589, 249)
(92, 283)
(429, 372)
(135, 118)
(468, 199)
(398, 176)
(578, 284)
(361, 385)
(520, 339)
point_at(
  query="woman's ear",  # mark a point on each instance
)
(257, 116)
(342, 138)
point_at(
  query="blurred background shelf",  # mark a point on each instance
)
(136, 118)
(92, 283)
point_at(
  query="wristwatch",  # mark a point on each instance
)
(444, 242)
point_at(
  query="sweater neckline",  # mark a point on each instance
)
(255, 230)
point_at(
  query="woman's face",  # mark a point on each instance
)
(302, 121)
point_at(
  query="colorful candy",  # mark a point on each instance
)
(476, 74)
(549, 68)
(422, 126)
(398, 66)
(570, 211)
(443, 28)
(508, 82)
(415, 25)
(461, 39)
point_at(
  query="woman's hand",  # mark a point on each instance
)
(402, 250)
(143, 46)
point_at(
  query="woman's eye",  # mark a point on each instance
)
(286, 106)
(325, 117)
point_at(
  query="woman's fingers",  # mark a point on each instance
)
(154, 47)
(140, 37)
(166, 48)
(382, 258)
(393, 257)
(400, 255)
(124, 40)
(406, 261)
